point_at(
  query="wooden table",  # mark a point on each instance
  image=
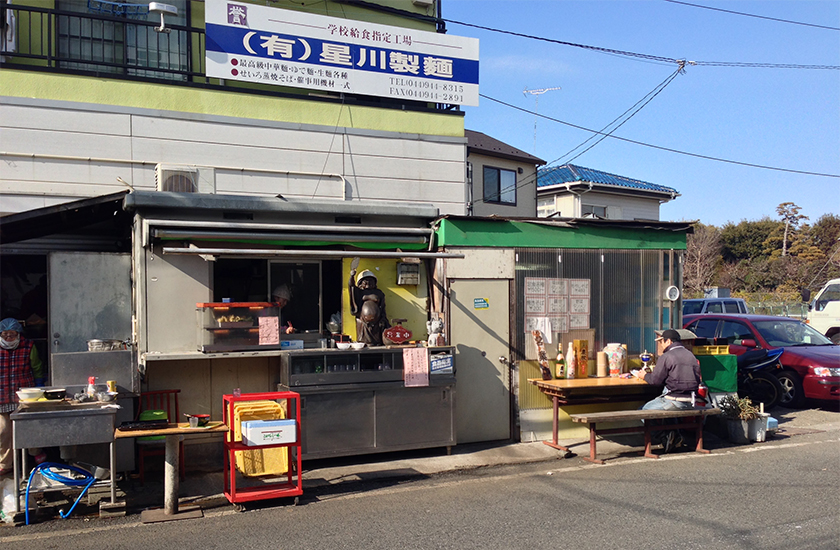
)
(171, 480)
(584, 391)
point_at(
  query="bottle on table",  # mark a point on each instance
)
(571, 362)
(560, 368)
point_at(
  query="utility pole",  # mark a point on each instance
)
(537, 94)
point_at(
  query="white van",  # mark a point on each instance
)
(714, 305)
(824, 310)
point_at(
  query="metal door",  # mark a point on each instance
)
(90, 297)
(480, 331)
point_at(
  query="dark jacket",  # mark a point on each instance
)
(678, 370)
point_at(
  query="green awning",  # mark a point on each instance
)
(590, 234)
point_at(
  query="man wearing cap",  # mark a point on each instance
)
(679, 372)
(20, 367)
(367, 303)
(282, 296)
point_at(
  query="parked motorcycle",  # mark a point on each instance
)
(756, 378)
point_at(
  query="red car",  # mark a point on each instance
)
(811, 362)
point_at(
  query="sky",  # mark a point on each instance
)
(785, 118)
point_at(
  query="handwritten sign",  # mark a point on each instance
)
(269, 330)
(416, 367)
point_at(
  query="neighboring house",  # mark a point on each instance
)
(108, 102)
(500, 178)
(571, 191)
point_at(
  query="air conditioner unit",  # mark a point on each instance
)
(184, 179)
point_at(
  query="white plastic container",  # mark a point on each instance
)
(757, 428)
(268, 432)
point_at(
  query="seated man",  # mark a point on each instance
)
(679, 372)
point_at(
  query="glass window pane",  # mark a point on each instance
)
(491, 184)
(508, 186)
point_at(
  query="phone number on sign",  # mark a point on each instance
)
(426, 91)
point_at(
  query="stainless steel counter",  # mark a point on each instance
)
(63, 425)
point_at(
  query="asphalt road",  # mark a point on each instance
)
(780, 494)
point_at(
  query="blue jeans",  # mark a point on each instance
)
(662, 404)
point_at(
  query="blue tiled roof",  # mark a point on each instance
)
(569, 173)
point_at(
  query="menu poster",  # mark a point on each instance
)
(534, 305)
(558, 287)
(579, 305)
(557, 304)
(579, 287)
(578, 321)
(269, 330)
(534, 286)
(559, 323)
(416, 367)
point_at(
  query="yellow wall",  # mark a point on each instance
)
(103, 91)
(401, 302)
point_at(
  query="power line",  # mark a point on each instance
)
(649, 57)
(753, 15)
(638, 106)
(661, 148)
(644, 101)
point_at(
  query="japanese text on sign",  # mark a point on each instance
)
(254, 43)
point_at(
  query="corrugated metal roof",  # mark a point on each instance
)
(569, 173)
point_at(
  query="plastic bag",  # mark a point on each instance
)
(9, 494)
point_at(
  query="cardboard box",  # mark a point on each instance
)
(268, 432)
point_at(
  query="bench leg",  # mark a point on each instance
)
(699, 436)
(555, 427)
(649, 441)
(592, 445)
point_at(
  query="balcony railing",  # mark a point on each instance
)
(93, 43)
(120, 43)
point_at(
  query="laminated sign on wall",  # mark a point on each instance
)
(290, 48)
(562, 303)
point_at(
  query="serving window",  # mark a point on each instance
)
(315, 287)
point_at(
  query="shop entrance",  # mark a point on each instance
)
(480, 331)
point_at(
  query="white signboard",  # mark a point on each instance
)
(289, 48)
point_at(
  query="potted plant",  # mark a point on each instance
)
(738, 412)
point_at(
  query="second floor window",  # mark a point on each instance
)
(499, 186)
(599, 211)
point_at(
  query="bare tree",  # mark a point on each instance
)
(702, 257)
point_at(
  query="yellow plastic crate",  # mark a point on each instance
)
(259, 462)
(711, 350)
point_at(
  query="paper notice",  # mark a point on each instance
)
(416, 367)
(269, 330)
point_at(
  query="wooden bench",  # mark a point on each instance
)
(653, 421)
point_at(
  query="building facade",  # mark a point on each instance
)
(95, 99)
(571, 191)
(501, 179)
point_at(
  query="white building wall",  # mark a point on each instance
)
(618, 206)
(67, 151)
(626, 207)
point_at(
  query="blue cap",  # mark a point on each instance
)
(10, 323)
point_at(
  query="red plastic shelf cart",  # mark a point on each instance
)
(293, 484)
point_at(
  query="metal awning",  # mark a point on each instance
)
(212, 253)
(199, 233)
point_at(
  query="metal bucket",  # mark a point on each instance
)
(105, 345)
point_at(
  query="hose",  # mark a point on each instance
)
(87, 480)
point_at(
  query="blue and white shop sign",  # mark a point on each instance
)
(267, 45)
